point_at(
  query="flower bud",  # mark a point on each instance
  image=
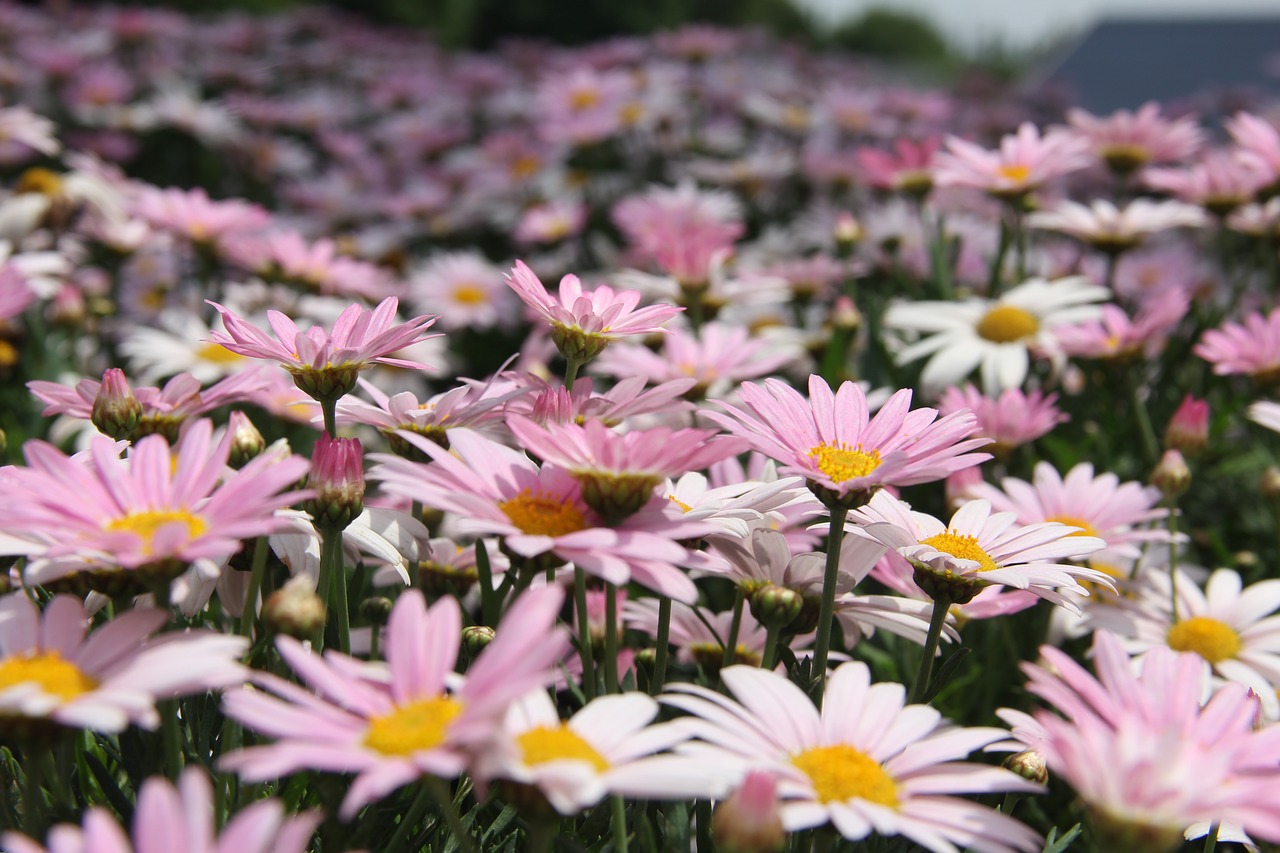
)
(1171, 475)
(246, 441)
(848, 231)
(1269, 483)
(1028, 764)
(845, 315)
(337, 477)
(776, 606)
(376, 609)
(1188, 430)
(116, 412)
(294, 609)
(750, 820)
(475, 638)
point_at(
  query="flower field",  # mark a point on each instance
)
(677, 442)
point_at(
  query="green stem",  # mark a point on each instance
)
(1010, 801)
(489, 598)
(409, 820)
(702, 815)
(250, 610)
(585, 652)
(1211, 838)
(941, 604)
(695, 311)
(663, 641)
(619, 824)
(731, 644)
(826, 611)
(449, 812)
(33, 817)
(572, 366)
(541, 834)
(1020, 241)
(610, 638)
(771, 647)
(1150, 446)
(331, 554)
(171, 732)
(329, 408)
(1173, 558)
(997, 263)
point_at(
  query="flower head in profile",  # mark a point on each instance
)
(831, 441)
(55, 673)
(1024, 161)
(1220, 181)
(165, 814)
(1251, 347)
(393, 723)
(867, 762)
(1010, 420)
(323, 363)
(1112, 230)
(584, 322)
(1127, 141)
(193, 215)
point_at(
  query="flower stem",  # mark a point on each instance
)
(438, 789)
(409, 820)
(171, 733)
(731, 643)
(571, 369)
(610, 638)
(329, 408)
(1211, 838)
(660, 656)
(331, 557)
(489, 599)
(1173, 558)
(250, 610)
(585, 653)
(822, 645)
(1150, 446)
(33, 818)
(941, 604)
(771, 647)
(542, 833)
(619, 824)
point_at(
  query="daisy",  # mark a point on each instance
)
(845, 456)
(1258, 141)
(193, 215)
(1024, 161)
(866, 763)
(325, 363)
(1266, 413)
(172, 345)
(1110, 229)
(19, 125)
(997, 336)
(1125, 516)
(1127, 141)
(1117, 337)
(1010, 420)
(287, 256)
(467, 289)
(165, 814)
(625, 399)
(582, 322)
(107, 521)
(908, 169)
(607, 747)
(1220, 181)
(979, 547)
(1251, 347)
(393, 723)
(738, 507)
(55, 672)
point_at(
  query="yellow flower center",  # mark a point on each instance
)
(144, 524)
(411, 728)
(218, 354)
(1213, 640)
(1005, 324)
(542, 514)
(684, 507)
(583, 99)
(1015, 172)
(841, 773)
(841, 462)
(39, 180)
(55, 675)
(470, 294)
(558, 743)
(8, 354)
(525, 166)
(1086, 529)
(962, 546)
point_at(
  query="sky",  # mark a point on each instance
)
(1020, 24)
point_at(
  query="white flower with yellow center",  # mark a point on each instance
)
(997, 336)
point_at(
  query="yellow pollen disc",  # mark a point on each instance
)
(470, 294)
(1213, 640)
(631, 112)
(962, 546)
(543, 514)
(39, 180)
(1086, 529)
(1005, 324)
(55, 675)
(411, 728)
(8, 354)
(1015, 172)
(684, 507)
(525, 167)
(841, 462)
(218, 354)
(584, 99)
(559, 743)
(841, 773)
(145, 524)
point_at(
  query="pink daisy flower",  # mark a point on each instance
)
(866, 763)
(393, 723)
(1010, 420)
(907, 169)
(288, 256)
(54, 672)
(830, 441)
(144, 518)
(181, 818)
(607, 747)
(1127, 141)
(626, 399)
(468, 290)
(540, 512)
(1258, 140)
(1220, 181)
(582, 322)
(1251, 347)
(979, 547)
(1024, 161)
(325, 363)
(1117, 336)
(193, 215)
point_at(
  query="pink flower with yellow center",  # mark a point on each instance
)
(393, 723)
(1251, 347)
(193, 215)
(1011, 419)
(1127, 141)
(846, 456)
(1024, 161)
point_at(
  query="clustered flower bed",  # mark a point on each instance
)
(673, 441)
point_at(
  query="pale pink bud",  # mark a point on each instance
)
(1171, 475)
(1188, 431)
(750, 821)
(116, 411)
(337, 477)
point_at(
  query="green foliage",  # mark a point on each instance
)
(893, 35)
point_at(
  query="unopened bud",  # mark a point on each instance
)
(1188, 430)
(1269, 483)
(67, 308)
(1028, 764)
(295, 609)
(750, 820)
(776, 606)
(475, 638)
(116, 411)
(1171, 475)
(847, 231)
(376, 609)
(337, 477)
(845, 315)
(246, 441)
